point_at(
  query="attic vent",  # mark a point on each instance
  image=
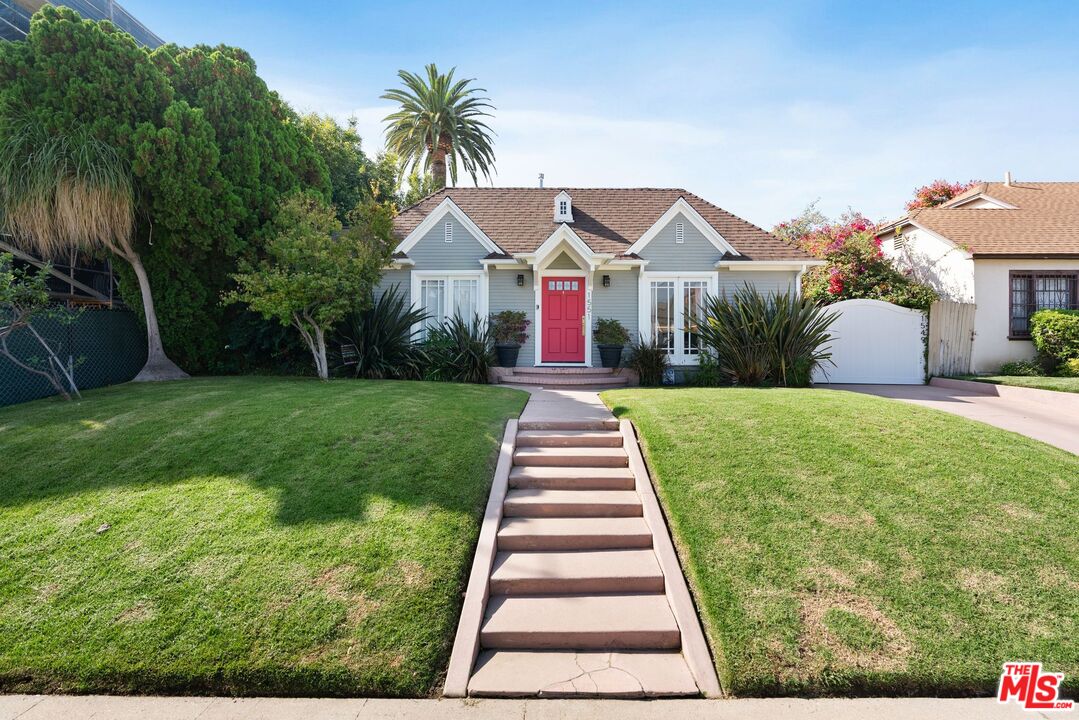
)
(679, 233)
(900, 241)
(449, 232)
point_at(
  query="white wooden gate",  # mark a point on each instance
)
(876, 343)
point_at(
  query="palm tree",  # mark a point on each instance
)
(73, 191)
(439, 120)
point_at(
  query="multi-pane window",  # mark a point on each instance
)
(693, 294)
(442, 298)
(676, 313)
(663, 326)
(1039, 290)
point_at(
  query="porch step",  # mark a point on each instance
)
(563, 371)
(590, 533)
(563, 380)
(580, 622)
(572, 503)
(572, 457)
(556, 674)
(583, 571)
(569, 438)
(608, 424)
(572, 478)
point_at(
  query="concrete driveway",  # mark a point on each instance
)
(1054, 424)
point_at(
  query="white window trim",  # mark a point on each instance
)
(538, 276)
(682, 207)
(644, 305)
(482, 303)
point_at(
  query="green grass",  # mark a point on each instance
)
(266, 536)
(1060, 384)
(846, 544)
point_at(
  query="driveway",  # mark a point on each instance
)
(1051, 424)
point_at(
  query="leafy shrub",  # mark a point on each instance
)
(509, 326)
(708, 372)
(609, 331)
(649, 360)
(766, 338)
(459, 351)
(1069, 368)
(1027, 368)
(1056, 334)
(385, 339)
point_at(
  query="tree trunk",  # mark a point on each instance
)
(316, 342)
(158, 366)
(438, 167)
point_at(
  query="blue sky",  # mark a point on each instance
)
(759, 107)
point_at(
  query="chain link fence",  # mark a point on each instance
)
(104, 346)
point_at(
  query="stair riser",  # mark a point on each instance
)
(564, 586)
(626, 640)
(572, 483)
(563, 371)
(529, 460)
(570, 441)
(563, 380)
(569, 425)
(566, 510)
(574, 542)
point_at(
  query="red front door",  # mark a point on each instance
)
(563, 319)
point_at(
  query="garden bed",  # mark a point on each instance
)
(841, 544)
(242, 536)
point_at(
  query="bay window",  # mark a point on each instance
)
(672, 310)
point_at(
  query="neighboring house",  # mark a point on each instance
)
(1010, 248)
(567, 257)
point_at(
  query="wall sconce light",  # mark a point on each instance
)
(520, 280)
(606, 281)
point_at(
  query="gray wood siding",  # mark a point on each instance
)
(696, 254)
(432, 252)
(505, 295)
(775, 281)
(394, 277)
(563, 262)
(619, 301)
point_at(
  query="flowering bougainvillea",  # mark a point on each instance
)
(855, 266)
(936, 193)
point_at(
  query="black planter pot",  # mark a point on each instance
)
(610, 355)
(507, 354)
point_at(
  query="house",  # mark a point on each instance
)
(1010, 248)
(567, 257)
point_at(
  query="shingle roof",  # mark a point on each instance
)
(1045, 221)
(609, 220)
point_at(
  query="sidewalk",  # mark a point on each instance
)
(67, 707)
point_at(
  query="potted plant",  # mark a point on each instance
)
(508, 328)
(611, 336)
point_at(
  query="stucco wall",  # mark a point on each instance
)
(991, 345)
(944, 267)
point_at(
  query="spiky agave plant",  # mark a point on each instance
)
(385, 340)
(460, 350)
(64, 192)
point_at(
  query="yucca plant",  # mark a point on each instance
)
(774, 338)
(385, 339)
(649, 360)
(460, 351)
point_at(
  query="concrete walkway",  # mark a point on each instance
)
(66, 707)
(1057, 425)
(562, 404)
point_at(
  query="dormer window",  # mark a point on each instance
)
(563, 208)
(449, 232)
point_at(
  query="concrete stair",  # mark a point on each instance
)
(576, 596)
(555, 377)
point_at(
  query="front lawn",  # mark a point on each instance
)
(241, 535)
(846, 544)
(1061, 384)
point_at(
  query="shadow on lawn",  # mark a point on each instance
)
(324, 450)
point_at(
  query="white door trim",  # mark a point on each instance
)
(541, 273)
(644, 304)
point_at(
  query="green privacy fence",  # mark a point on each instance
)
(106, 347)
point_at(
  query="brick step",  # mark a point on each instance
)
(563, 380)
(580, 622)
(556, 674)
(563, 371)
(609, 424)
(572, 503)
(581, 572)
(540, 533)
(569, 438)
(571, 478)
(571, 457)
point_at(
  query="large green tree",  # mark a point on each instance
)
(211, 149)
(439, 124)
